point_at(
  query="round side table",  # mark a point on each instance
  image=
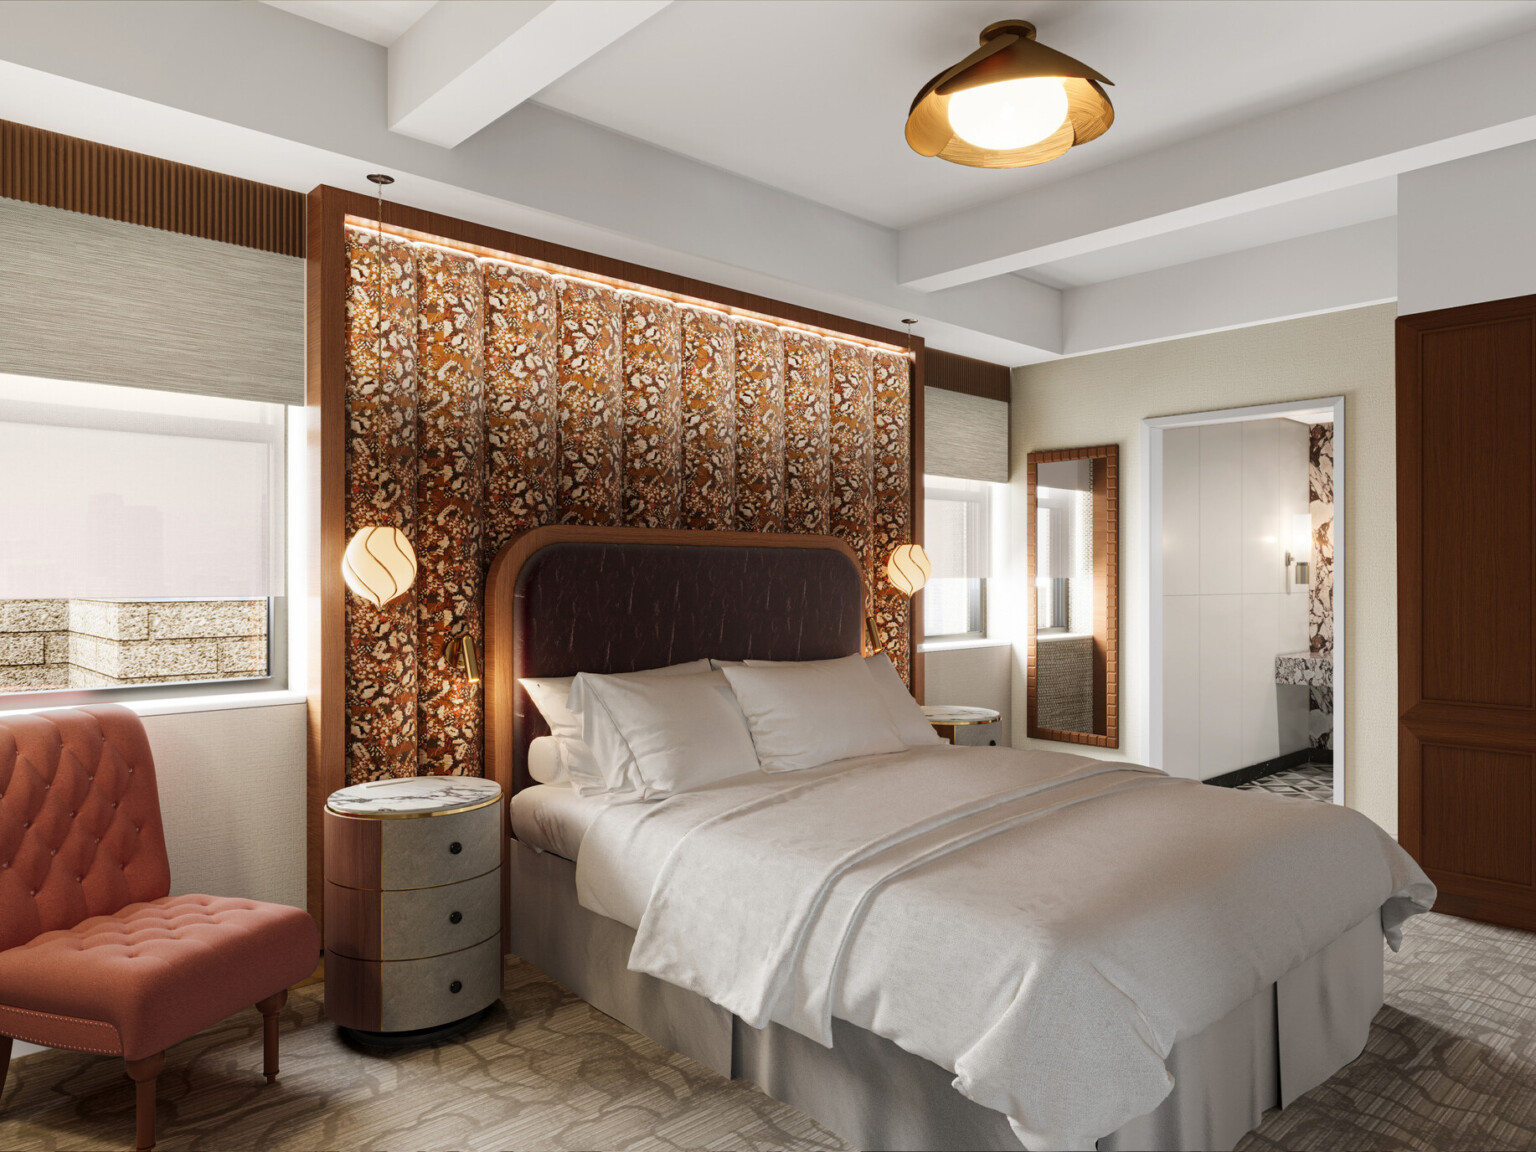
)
(412, 907)
(945, 718)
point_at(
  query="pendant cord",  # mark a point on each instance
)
(380, 180)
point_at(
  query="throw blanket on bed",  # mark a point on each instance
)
(1045, 925)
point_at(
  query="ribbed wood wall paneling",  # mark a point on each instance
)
(537, 376)
(955, 373)
(77, 175)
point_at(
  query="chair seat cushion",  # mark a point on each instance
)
(161, 971)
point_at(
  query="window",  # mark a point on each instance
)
(141, 537)
(957, 526)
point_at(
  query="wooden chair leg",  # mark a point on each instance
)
(5, 1060)
(143, 1074)
(269, 1008)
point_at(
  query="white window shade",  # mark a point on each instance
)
(965, 436)
(957, 527)
(127, 493)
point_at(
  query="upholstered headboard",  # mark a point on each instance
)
(567, 599)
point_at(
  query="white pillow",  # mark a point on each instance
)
(549, 695)
(564, 760)
(656, 735)
(812, 712)
(906, 713)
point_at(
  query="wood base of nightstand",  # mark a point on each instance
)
(418, 1037)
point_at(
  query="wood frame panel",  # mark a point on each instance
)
(1106, 596)
(972, 377)
(58, 171)
(328, 209)
(1471, 727)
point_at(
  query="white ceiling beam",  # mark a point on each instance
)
(467, 63)
(1460, 106)
(1325, 272)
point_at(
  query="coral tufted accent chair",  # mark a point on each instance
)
(94, 955)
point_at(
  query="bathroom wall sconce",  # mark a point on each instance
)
(1301, 544)
(461, 649)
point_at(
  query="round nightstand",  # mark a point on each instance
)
(945, 718)
(412, 907)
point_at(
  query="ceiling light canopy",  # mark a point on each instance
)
(1010, 104)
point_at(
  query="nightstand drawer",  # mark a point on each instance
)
(435, 850)
(402, 995)
(414, 922)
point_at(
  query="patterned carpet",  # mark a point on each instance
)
(1306, 782)
(1451, 1065)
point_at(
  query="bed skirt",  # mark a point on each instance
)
(1285, 1041)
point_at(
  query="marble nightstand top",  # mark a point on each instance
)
(958, 714)
(413, 796)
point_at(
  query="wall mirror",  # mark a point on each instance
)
(1074, 577)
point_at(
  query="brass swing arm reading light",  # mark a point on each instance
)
(461, 648)
(1011, 103)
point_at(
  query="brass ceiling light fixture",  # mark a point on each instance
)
(1011, 103)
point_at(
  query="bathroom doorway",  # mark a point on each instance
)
(1244, 557)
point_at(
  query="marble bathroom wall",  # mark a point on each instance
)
(1320, 592)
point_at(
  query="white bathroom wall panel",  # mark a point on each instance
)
(1229, 492)
(1221, 509)
(1181, 512)
(1181, 685)
(1261, 519)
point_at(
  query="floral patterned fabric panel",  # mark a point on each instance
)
(759, 426)
(381, 490)
(451, 512)
(591, 429)
(709, 420)
(653, 413)
(892, 463)
(807, 432)
(521, 398)
(853, 446)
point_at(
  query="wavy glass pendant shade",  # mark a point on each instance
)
(379, 564)
(908, 568)
(1012, 103)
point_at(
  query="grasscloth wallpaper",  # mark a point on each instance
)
(486, 397)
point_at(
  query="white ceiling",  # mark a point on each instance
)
(378, 21)
(1251, 173)
(811, 96)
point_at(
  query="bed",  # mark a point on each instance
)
(563, 600)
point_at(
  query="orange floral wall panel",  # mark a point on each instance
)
(507, 397)
(807, 432)
(591, 429)
(709, 421)
(852, 436)
(521, 399)
(759, 426)
(381, 490)
(891, 488)
(450, 499)
(653, 412)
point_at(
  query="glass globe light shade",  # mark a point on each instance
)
(908, 568)
(1009, 113)
(379, 564)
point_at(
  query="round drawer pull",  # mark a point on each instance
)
(455, 917)
(455, 847)
(456, 987)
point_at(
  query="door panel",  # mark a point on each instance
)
(1466, 458)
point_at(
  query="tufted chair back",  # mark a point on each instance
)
(80, 831)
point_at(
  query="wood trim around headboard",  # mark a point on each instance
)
(501, 584)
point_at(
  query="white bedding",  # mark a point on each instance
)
(553, 817)
(990, 909)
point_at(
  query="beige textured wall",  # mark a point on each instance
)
(1103, 399)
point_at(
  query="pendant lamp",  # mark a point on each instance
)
(379, 563)
(1011, 103)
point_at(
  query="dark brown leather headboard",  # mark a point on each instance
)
(567, 599)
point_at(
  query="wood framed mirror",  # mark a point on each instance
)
(1074, 601)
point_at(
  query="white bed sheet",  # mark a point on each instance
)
(553, 818)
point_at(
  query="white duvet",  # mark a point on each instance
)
(1045, 925)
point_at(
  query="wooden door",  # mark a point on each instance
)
(1466, 459)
